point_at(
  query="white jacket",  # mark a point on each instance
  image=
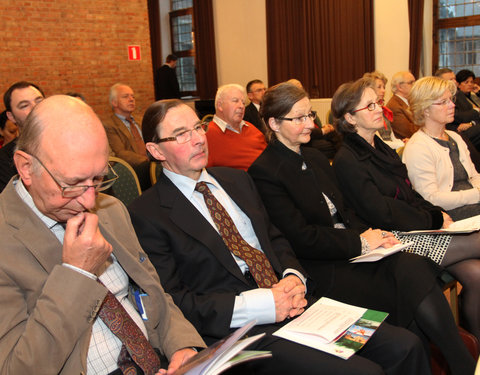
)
(430, 170)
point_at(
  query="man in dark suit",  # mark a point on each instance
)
(19, 100)
(212, 284)
(64, 248)
(167, 82)
(255, 91)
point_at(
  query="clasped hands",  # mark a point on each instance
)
(289, 296)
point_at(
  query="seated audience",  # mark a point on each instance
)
(303, 200)
(375, 184)
(71, 262)
(438, 162)
(402, 124)
(189, 224)
(19, 100)
(378, 84)
(469, 130)
(255, 91)
(125, 134)
(8, 130)
(323, 137)
(232, 141)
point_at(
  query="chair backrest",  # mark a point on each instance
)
(127, 187)
(155, 171)
(207, 118)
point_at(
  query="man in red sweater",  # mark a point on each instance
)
(232, 142)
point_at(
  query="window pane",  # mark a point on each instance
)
(186, 73)
(182, 33)
(181, 4)
(459, 48)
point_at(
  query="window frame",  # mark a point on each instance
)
(447, 23)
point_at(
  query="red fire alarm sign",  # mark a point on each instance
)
(133, 53)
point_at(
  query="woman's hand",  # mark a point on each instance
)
(447, 220)
(378, 237)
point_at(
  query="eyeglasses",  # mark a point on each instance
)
(77, 190)
(258, 90)
(300, 119)
(408, 82)
(453, 99)
(185, 136)
(371, 106)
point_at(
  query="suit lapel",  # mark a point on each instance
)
(191, 221)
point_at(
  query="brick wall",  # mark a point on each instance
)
(77, 45)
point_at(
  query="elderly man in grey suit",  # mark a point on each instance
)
(71, 264)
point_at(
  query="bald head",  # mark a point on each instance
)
(63, 144)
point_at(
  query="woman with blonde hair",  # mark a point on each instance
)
(438, 161)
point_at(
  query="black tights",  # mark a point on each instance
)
(462, 260)
(434, 321)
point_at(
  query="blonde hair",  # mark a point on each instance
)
(376, 75)
(424, 92)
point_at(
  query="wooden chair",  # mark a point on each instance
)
(155, 171)
(207, 118)
(127, 187)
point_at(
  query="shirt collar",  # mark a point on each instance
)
(223, 125)
(187, 185)
(404, 99)
(27, 198)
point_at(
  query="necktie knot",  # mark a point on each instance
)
(201, 187)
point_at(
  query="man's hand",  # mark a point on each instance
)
(83, 245)
(377, 238)
(289, 296)
(178, 359)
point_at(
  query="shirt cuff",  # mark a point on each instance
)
(253, 304)
(83, 272)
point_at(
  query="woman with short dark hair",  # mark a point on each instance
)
(303, 200)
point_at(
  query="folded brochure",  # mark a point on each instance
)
(333, 327)
(224, 354)
(380, 252)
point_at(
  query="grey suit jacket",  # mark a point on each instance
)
(48, 309)
(121, 141)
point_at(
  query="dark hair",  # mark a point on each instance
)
(251, 83)
(344, 101)
(7, 97)
(76, 95)
(171, 58)
(442, 71)
(463, 75)
(153, 117)
(3, 119)
(278, 101)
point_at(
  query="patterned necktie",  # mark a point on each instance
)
(135, 345)
(257, 262)
(137, 137)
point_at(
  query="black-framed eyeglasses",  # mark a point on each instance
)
(447, 101)
(371, 106)
(70, 191)
(185, 136)
(300, 119)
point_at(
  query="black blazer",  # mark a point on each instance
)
(193, 263)
(375, 183)
(464, 111)
(167, 83)
(293, 198)
(253, 116)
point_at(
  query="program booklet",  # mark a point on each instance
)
(224, 354)
(468, 225)
(333, 327)
(380, 253)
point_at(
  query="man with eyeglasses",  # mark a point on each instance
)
(224, 263)
(79, 295)
(19, 99)
(402, 124)
(232, 141)
(255, 91)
